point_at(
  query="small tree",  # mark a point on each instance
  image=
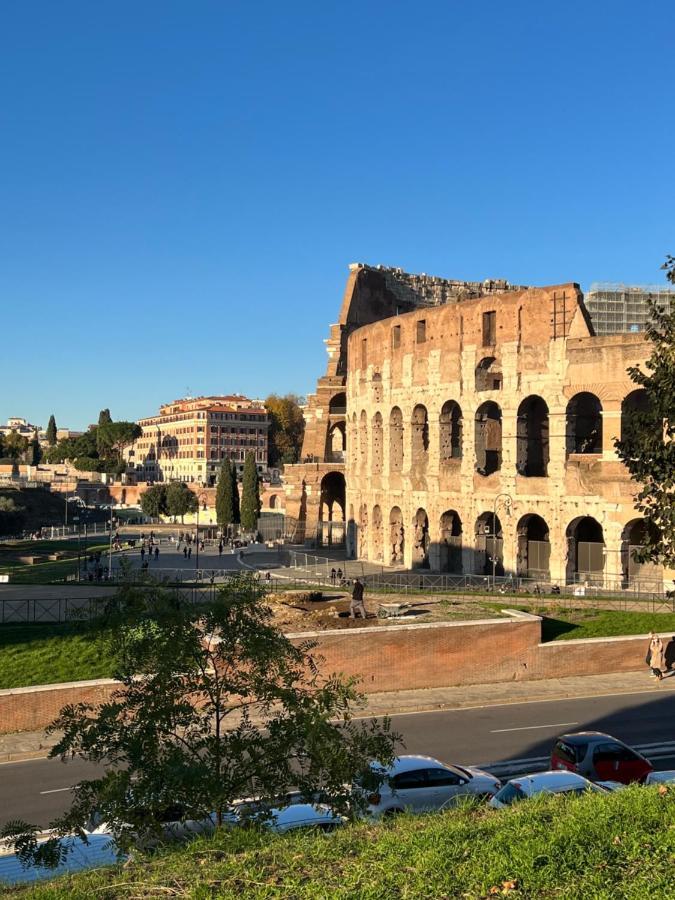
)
(113, 437)
(180, 500)
(250, 494)
(224, 497)
(236, 511)
(104, 418)
(214, 704)
(34, 451)
(153, 501)
(287, 428)
(51, 431)
(15, 445)
(647, 445)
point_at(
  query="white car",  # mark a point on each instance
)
(558, 782)
(420, 784)
(665, 777)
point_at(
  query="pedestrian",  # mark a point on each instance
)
(333, 573)
(142, 553)
(156, 553)
(190, 552)
(656, 659)
(201, 546)
(357, 606)
(339, 576)
(220, 549)
(185, 550)
(152, 536)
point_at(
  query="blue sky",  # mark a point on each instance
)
(184, 184)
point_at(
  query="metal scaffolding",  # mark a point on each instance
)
(616, 308)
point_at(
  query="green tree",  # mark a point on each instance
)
(287, 428)
(11, 516)
(250, 494)
(647, 444)
(180, 500)
(153, 501)
(104, 417)
(51, 431)
(236, 512)
(15, 445)
(113, 437)
(215, 704)
(34, 451)
(224, 497)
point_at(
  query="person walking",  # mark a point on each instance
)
(220, 549)
(142, 553)
(156, 553)
(333, 573)
(357, 607)
(656, 658)
(185, 551)
(190, 552)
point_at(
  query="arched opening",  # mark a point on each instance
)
(583, 421)
(633, 408)
(488, 438)
(450, 555)
(377, 536)
(533, 445)
(489, 545)
(451, 431)
(338, 404)
(376, 443)
(585, 551)
(534, 548)
(396, 536)
(272, 501)
(332, 509)
(646, 575)
(396, 440)
(336, 442)
(420, 557)
(377, 387)
(363, 441)
(362, 535)
(353, 443)
(351, 538)
(488, 375)
(419, 427)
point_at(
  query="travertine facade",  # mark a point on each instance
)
(477, 434)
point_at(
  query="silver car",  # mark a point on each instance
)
(558, 782)
(420, 784)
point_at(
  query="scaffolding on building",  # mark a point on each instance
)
(617, 308)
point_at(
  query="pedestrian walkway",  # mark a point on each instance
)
(36, 744)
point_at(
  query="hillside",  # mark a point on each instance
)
(594, 847)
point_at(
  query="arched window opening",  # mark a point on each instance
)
(376, 431)
(396, 536)
(450, 556)
(273, 502)
(420, 558)
(585, 551)
(338, 404)
(336, 442)
(639, 575)
(584, 424)
(533, 438)
(332, 509)
(419, 435)
(633, 408)
(377, 536)
(451, 431)
(488, 375)
(488, 438)
(534, 548)
(489, 543)
(396, 440)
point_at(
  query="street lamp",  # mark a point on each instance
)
(200, 497)
(508, 502)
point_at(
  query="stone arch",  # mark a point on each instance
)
(534, 548)
(376, 444)
(377, 535)
(583, 424)
(585, 551)
(363, 441)
(450, 544)
(332, 508)
(488, 375)
(396, 536)
(396, 440)
(636, 404)
(337, 405)
(362, 532)
(450, 431)
(532, 454)
(272, 502)
(419, 436)
(336, 442)
(642, 575)
(420, 557)
(488, 438)
(489, 544)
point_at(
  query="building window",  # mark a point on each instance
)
(421, 334)
(364, 353)
(489, 328)
(395, 337)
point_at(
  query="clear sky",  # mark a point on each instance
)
(183, 184)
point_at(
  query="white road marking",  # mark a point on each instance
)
(533, 727)
(56, 790)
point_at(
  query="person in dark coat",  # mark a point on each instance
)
(357, 607)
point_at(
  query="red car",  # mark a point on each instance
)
(599, 757)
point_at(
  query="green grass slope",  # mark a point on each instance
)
(615, 847)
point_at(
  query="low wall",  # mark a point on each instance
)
(395, 657)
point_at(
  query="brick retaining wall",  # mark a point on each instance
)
(33, 708)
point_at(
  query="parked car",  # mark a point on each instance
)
(665, 777)
(526, 786)
(599, 757)
(421, 784)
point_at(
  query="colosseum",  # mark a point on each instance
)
(469, 428)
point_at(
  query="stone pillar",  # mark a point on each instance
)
(611, 428)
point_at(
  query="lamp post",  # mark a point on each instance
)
(200, 497)
(110, 545)
(508, 502)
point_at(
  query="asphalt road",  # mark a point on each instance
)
(508, 739)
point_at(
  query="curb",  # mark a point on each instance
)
(24, 755)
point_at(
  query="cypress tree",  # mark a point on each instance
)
(224, 499)
(250, 498)
(236, 516)
(51, 431)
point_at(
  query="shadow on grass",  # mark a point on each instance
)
(552, 629)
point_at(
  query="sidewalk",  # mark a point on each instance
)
(36, 744)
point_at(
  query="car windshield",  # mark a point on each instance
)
(571, 753)
(510, 793)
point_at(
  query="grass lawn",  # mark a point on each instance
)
(48, 654)
(591, 623)
(46, 572)
(597, 847)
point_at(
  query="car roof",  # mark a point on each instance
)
(582, 737)
(539, 781)
(408, 763)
